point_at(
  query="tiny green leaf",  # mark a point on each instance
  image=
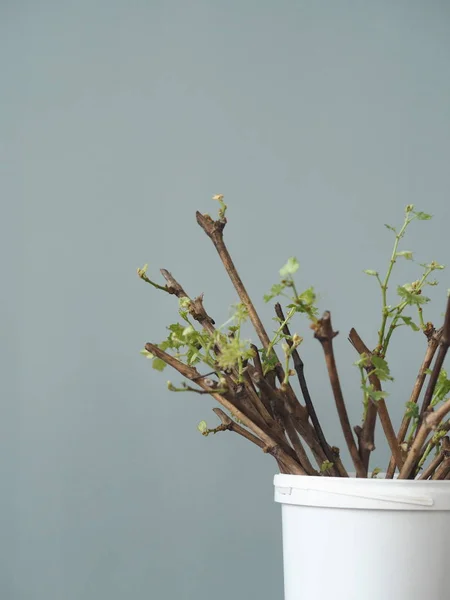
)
(158, 364)
(412, 411)
(290, 267)
(275, 290)
(326, 466)
(370, 272)
(390, 227)
(435, 266)
(202, 427)
(373, 394)
(188, 331)
(410, 296)
(381, 368)
(184, 303)
(408, 321)
(142, 273)
(442, 388)
(269, 362)
(363, 361)
(146, 353)
(406, 254)
(375, 473)
(422, 216)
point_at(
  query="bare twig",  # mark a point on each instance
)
(385, 419)
(260, 375)
(198, 312)
(443, 348)
(233, 426)
(299, 369)
(366, 433)
(142, 273)
(214, 230)
(433, 342)
(271, 446)
(196, 308)
(298, 447)
(325, 334)
(285, 420)
(434, 464)
(443, 470)
(430, 420)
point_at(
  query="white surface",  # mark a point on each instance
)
(357, 539)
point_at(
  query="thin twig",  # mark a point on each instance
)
(383, 412)
(285, 420)
(233, 426)
(259, 371)
(299, 367)
(432, 419)
(196, 308)
(214, 230)
(298, 447)
(430, 422)
(443, 348)
(443, 470)
(271, 446)
(325, 334)
(366, 433)
(434, 464)
(198, 312)
(433, 343)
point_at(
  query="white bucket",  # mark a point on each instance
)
(364, 539)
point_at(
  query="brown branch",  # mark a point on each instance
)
(303, 427)
(196, 308)
(298, 447)
(338, 469)
(443, 470)
(383, 412)
(271, 446)
(276, 401)
(214, 230)
(433, 419)
(260, 375)
(433, 343)
(434, 464)
(231, 425)
(443, 348)
(198, 312)
(366, 433)
(282, 467)
(325, 334)
(285, 420)
(430, 420)
(415, 451)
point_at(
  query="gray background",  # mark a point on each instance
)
(319, 121)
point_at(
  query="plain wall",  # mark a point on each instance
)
(318, 121)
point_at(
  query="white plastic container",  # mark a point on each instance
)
(364, 539)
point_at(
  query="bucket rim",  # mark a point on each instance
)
(355, 493)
